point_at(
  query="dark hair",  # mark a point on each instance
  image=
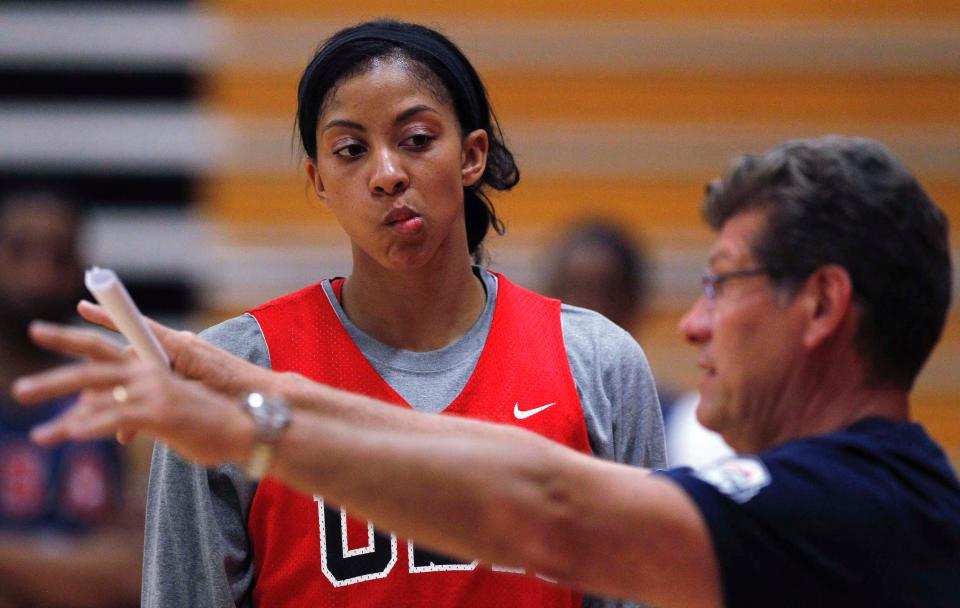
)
(632, 266)
(440, 65)
(848, 201)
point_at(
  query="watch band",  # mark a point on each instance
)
(271, 415)
(259, 461)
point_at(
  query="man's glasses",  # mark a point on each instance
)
(712, 282)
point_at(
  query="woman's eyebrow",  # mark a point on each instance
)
(402, 116)
(339, 122)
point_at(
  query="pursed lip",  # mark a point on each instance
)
(399, 214)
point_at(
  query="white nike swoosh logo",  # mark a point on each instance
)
(521, 414)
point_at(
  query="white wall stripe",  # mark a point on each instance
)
(145, 38)
(179, 137)
(105, 137)
(154, 243)
(665, 150)
(241, 267)
(625, 149)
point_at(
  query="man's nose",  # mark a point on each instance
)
(696, 325)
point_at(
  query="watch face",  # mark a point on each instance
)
(270, 415)
(278, 417)
(257, 407)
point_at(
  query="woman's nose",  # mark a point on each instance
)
(388, 175)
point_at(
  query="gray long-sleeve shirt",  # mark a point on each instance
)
(197, 551)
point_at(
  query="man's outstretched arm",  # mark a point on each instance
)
(500, 494)
(464, 487)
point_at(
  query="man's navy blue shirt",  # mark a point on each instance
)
(867, 515)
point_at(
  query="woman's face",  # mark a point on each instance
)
(392, 164)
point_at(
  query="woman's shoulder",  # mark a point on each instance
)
(240, 336)
(599, 348)
(309, 294)
(590, 331)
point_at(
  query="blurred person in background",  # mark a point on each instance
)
(70, 535)
(689, 443)
(601, 266)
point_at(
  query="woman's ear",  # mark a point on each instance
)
(473, 158)
(310, 167)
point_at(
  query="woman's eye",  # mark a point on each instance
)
(419, 140)
(349, 151)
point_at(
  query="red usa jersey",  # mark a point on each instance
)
(308, 553)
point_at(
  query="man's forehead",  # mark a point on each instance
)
(720, 253)
(734, 243)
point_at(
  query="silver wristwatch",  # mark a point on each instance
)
(271, 415)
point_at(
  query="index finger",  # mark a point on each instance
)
(67, 380)
(73, 341)
(94, 313)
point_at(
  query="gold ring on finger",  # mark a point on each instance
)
(120, 393)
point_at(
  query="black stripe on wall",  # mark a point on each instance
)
(51, 84)
(171, 296)
(163, 190)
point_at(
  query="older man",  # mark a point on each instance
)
(826, 291)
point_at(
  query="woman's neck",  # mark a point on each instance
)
(420, 310)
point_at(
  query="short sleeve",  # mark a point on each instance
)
(837, 520)
(616, 389)
(196, 549)
(618, 396)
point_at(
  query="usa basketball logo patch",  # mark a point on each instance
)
(740, 478)
(24, 477)
(85, 492)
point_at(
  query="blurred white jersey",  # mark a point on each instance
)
(689, 443)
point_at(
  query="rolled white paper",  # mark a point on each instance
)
(106, 287)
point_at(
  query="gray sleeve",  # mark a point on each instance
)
(616, 389)
(196, 549)
(618, 395)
